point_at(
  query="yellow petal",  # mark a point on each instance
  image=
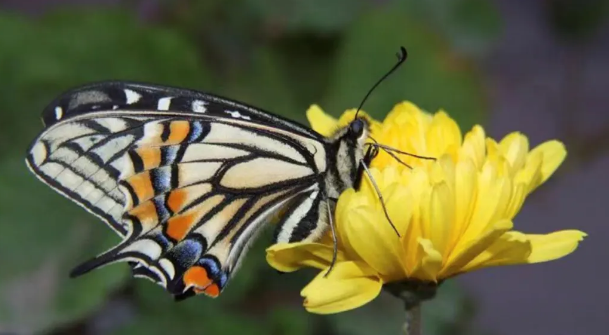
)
(553, 246)
(466, 252)
(321, 122)
(349, 285)
(288, 257)
(429, 261)
(406, 118)
(516, 201)
(553, 153)
(407, 112)
(441, 215)
(492, 149)
(399, 203)
(492, 199)
(530, 175)
(443, 136)
(369, 234)
(474, 146)
(510, 248)
(466, 182)
(517, 248)
(348, 201)
(515, 148)
(418, 183)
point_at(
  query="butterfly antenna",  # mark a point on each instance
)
(402, 55)
(387, 149)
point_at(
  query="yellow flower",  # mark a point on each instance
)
(454, 214)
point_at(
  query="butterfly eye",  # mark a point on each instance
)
(356, 128)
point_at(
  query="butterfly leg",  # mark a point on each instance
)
(334, 239)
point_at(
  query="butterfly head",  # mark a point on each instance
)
(358, 128)
(354, 134)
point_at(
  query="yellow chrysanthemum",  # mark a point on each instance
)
(454, 214)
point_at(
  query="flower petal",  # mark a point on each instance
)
(441, 215)
(492, 200)
(443, 136)
(289, 257)
(429, 261)
(510, 248)
(370, 235)
(321, 122)
(530, 175)
(474, 146)
(466, 185)
(515, 148)
(516, 201)
(463, 254)
(553, 246)
(349, 285)
(553, 153)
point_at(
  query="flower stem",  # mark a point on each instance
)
(412, 326)
(412, 293)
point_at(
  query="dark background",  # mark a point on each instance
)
(535, 66)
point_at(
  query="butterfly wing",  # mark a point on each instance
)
(186, 178)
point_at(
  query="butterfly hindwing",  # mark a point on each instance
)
(186, 178)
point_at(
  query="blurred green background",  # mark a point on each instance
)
(279, 55)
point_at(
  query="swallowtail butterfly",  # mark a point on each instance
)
(187, 178)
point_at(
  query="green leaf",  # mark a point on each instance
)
(432, 77)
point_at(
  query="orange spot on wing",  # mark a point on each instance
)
(179, 226)
(142, 186)
(197, 276)
(146, 213)
(151, 157)
(178, 130)
(176, 200)
(212, 291)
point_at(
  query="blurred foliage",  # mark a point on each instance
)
(279, 55)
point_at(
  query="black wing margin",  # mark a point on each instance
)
(134, 96)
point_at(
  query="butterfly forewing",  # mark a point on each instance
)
(184, 177)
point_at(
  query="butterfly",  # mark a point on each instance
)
(188, 179)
